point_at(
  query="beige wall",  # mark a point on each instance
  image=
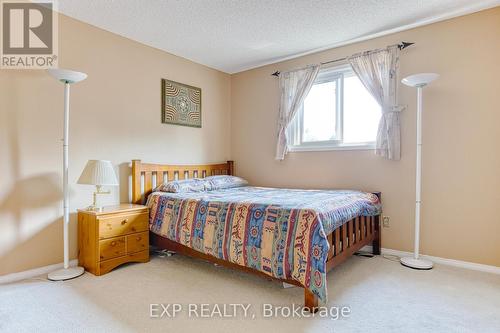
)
(461, 158)
(115, 115)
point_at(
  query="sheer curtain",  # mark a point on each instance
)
(377, 70)
(294, 86)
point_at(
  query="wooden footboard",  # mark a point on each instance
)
(347, 240)
(344, 241)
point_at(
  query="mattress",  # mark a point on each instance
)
(281, 232)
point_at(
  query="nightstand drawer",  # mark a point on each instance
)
(112, 248)
(122, 225)
(138, 242)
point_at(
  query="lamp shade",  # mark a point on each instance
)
(66, 75)
(420, 80)
(98, 172)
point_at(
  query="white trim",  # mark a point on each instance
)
(344, 146)
(456, 13)
(14, 277)
(443, 261)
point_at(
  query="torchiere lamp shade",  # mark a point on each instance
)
(98, 172)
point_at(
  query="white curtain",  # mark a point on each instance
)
(377, 70)
(295, 86)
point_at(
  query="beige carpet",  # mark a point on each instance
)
(382, 295)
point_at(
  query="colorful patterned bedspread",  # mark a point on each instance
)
(281, 232)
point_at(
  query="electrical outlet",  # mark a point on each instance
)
(386, 221)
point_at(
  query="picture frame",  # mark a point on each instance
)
(181, 104)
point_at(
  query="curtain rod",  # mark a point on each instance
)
(401, 46)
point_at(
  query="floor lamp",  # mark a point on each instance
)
(67, 77)
(418, 81)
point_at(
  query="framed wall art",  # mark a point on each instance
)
(181, 104)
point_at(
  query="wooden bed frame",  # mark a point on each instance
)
(344, 241)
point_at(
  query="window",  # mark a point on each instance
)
(338, 113)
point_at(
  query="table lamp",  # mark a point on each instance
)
(99, 173)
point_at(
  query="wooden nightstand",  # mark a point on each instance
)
(114, 236)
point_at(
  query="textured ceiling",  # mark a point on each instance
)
(235, 35)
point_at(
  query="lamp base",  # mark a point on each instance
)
(65, 273)
(416, 263)
(93, 208)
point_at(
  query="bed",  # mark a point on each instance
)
(295, 236)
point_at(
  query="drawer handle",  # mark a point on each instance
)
(113, 243)
(139, 238)
(124, 221)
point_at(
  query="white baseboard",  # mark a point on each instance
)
(442, 261)
(14, 277)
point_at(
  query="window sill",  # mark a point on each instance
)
(293, 149)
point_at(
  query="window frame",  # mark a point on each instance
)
(294, 131)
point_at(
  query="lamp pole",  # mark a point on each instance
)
(418, 176)
(65, 175)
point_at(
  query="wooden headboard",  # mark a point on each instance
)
(146, 176)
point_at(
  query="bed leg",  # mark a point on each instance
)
(376, 240)
(310, 301)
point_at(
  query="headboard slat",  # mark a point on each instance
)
(160, 177)
(166, 172)
(148, 182)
